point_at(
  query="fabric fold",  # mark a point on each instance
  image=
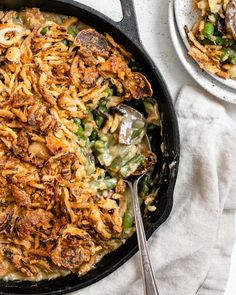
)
(191, 250)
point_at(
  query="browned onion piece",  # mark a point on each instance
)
(150, 161)
(92, 43)
(10, 35)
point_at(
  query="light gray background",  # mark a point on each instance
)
(152, 16)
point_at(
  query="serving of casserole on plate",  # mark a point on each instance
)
(63, 165)
(184, 16)
(213, 37)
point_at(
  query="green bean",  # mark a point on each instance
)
(132, 165)
(220, 41)
(88, 119)
(44, 30)
(125, 154)
(66, 42)
(90, 116)
(93, 135)
(102, 107)
(127, 220)
(232, 60)
(205, 41)
(110, 91)
(224, 55)
(103, 137)
(136, 133)
(110, 183)
(99, 121)
(80, 132)
(148, 105)
(208, 29)
(224, 42)
(104, 184)
(143, 187)
(72, 32)
(116, 164)
(145, 179)
(228, 55)
(217, 16)
(77, 121)
(144, 191)
(99, 146)
(151, 108)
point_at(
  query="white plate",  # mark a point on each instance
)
(201, 77)
(186, 15)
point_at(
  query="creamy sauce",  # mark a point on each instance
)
(41, 276)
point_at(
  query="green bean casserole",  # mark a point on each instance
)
(63, 197)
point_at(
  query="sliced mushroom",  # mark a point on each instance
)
(91, 42)
(137, 86)
(150, 161)
(74, 248)
(220, 24)
(230, 18)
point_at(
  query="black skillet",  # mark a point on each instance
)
(126, 33)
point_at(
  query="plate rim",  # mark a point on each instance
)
(229, 82)
(214, 88)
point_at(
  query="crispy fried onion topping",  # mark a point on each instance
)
(52, 73)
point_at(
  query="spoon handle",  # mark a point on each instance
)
(150, 287)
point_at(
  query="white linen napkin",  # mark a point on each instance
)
(191, 251)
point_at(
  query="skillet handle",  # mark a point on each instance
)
(128, 24)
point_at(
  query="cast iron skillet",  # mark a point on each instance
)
(126, 33)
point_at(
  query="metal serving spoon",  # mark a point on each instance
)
(149, 282)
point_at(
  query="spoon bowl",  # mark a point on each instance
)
(130, 117)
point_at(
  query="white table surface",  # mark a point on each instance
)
(152, 18)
